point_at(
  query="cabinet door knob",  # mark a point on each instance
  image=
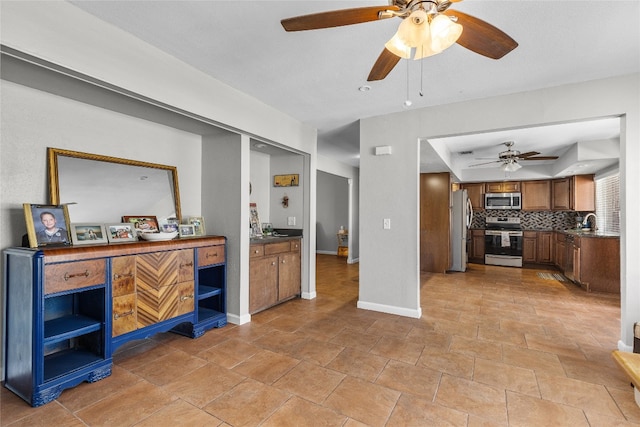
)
(273, 263)
(256, 251)
(186, 297)
(189, 264)
(117, 276)
(283, 261)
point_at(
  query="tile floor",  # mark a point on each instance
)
(495, 347)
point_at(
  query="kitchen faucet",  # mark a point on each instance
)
(585, 222)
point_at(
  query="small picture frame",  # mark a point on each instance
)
(88, 234)
(198, 225)
(123, 232)
(254, 221)
(291, 180)
(47, 225)
(186, 230)
(143, 223)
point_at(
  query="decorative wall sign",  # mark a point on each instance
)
(292, 180)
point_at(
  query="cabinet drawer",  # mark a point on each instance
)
(73, 275)
(185, 265)
(125, 317)
(256, 251)
(123, 275)
(277, 248)
(295, 245)
(210, 255)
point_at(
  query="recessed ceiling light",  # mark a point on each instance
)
(364, 88)
(260, 145)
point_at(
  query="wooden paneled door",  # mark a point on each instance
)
(435, 222)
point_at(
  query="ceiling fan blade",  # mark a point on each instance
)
(336, 18)
(383, 66)
(482, 37)
(486, 163)
(541, 158)
(528, 154)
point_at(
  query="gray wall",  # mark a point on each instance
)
(332, 210)
(388, 275)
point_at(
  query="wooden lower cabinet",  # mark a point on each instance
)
(274, 273)
(560, 250)
(544, 253)
(529, 247)
(476, 250)
(537, 247)
(69, 308)
(596, 264)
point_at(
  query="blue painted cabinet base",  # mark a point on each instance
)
(59, 337)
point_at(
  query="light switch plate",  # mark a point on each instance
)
(386, 224)
(291, 220)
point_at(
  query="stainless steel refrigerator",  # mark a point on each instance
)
(461, 217)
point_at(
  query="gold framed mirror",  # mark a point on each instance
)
(100, 188)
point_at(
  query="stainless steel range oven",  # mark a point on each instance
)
(503, 241)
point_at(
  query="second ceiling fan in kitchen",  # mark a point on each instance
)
(509, 159)
(428, 28)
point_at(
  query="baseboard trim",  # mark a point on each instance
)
(238, 320)
(390, 309)
(327, 252)
(308, 295)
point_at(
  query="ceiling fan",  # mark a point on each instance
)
(510, 158)
(428, 27)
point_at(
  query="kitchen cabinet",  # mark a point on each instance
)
(68, 308)
(596, 263)
(536, 195)
(559, 250)
(274, 273)
(475, 191)
(529, 247)
(544, 254)
(537, 247)
(476, 250)
(502, 187)
(574, 193)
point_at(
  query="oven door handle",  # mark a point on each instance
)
(499, 233)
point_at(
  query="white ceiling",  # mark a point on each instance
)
(314, 76)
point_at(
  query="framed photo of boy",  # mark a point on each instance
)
(198, 225)
(186, 230)
(88, 234)
(124, 232)
(47, 225)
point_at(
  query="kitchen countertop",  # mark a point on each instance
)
(271, 239)
(573, 232)
(596, 233)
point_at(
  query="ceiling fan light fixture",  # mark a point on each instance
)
(398, 47)
(511, 166)
(444, 32)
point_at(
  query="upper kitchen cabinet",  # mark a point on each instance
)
(536, 195)
(575, 193)
(475, 191)
(502, 187)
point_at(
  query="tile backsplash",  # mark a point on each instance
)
(538, 220)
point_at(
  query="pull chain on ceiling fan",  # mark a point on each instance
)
(428, 28)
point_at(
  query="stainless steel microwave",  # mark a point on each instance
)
(503, 201)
